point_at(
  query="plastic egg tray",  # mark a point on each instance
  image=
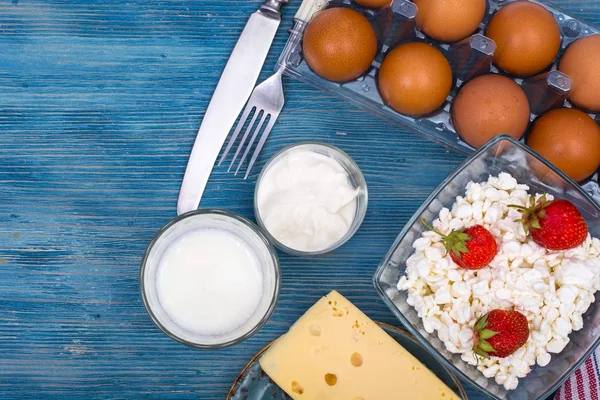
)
(469, 58)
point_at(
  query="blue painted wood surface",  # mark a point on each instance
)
(100, 102)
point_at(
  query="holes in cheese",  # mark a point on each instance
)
(356, 360)
(314, 330)
(297, 388)
(338, 311)
(331, 379)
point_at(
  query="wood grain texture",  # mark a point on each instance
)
(99, 105)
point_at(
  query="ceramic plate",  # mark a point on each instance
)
(254, 384)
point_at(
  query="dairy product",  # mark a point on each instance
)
(209, 281)
(553, 289)
(305, 200)
(335, 352)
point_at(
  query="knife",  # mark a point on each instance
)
(233, 90)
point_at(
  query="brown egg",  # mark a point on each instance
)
(569, 139)
(339, 44)
(449, 20)
(490, 105)
(415, 79)
(527, 38)
(581, 62)
(374, 3)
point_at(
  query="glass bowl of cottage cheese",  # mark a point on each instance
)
(439, 302)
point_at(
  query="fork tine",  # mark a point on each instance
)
(237, 131)
(254, 135)
(260, 144)
(243, 141)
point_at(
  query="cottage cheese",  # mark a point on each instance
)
(553, 289)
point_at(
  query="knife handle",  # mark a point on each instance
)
(308, 8)
(272, 8)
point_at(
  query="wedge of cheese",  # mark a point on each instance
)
(335, 352)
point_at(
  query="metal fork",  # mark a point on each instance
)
(266, 100)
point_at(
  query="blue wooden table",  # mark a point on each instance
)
(100, 102)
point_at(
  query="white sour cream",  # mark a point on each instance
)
(306, 201)
(209, 282)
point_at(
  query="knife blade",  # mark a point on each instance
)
(233, 90)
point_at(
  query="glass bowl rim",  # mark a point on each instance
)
(357, 221)
(276, 273)
(432, 196)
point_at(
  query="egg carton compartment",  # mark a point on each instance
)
(468, 58)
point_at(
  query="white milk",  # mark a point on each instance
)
(209, 281)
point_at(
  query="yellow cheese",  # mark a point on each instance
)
(334, 351)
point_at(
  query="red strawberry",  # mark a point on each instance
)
(471, 248)
(554, 225)
(500, 333)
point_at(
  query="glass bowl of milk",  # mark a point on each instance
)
(310, 198)
(210, 279)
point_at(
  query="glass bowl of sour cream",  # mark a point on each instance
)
(210, 279)
(310, 198)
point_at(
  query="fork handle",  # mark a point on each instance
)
(308, 8)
